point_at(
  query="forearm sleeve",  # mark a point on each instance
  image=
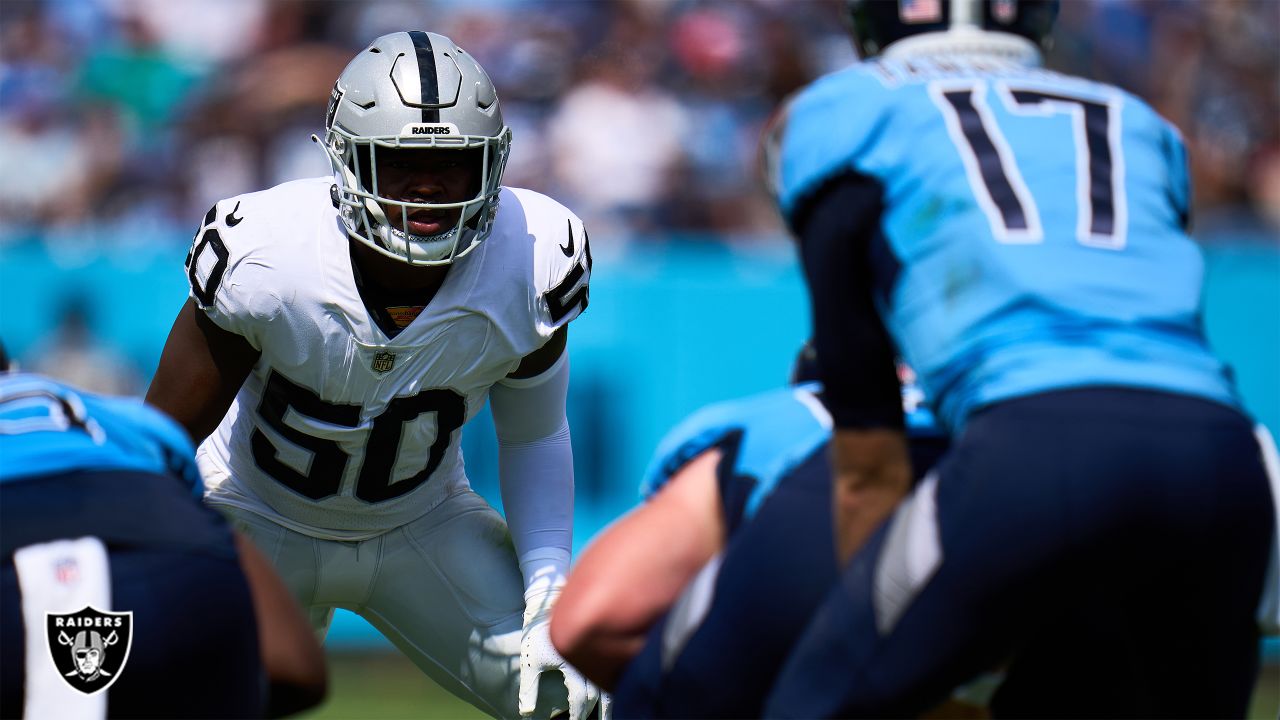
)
(839, 232)
(535, 468)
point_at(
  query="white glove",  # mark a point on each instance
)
(538, 655)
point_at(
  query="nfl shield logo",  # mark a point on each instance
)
(90, 647)
(383, 361)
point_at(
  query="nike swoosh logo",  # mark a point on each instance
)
(232, 220)
(568, 249)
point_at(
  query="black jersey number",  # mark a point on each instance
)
(210, 240)
(323, 477)
(993, 170)
(568, 294)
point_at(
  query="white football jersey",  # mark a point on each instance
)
(340, 431)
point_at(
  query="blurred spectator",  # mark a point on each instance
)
(205, 32)
(129, 117)
(135, 78)
(45, 155)
(252, 124)
(1213, 70)
(616, 139)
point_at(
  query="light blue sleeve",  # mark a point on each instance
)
(161, 436)
(778, 429)
(694, 435)
(825, 128)
(104, 434)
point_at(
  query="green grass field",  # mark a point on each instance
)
(382, 685)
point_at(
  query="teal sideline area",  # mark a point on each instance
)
(672, 326)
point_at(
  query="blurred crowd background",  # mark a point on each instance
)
(122, 121)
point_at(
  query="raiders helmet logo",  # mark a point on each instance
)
(90, 647)
(335, 99)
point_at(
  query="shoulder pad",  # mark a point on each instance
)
(561, 257)
(235, 264)
(778, 429)
(828, 126)
(568, 296)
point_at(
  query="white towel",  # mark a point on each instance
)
(63, 576)
(911, 554)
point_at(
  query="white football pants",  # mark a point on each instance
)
(445, 589)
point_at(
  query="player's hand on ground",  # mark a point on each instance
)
(538, 656)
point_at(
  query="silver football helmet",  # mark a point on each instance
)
(413, 90)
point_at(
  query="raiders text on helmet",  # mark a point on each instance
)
(413, 90)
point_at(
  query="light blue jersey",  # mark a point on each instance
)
(48, 428)
(1034, 225)
(774, 432)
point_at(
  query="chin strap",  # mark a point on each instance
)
(967, 41)
(410, 237)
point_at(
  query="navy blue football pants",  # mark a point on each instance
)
(776, 569)
(1106, 547)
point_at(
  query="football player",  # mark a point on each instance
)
(100, 510)
(669, 608)
(1020, 237)
(341, 330)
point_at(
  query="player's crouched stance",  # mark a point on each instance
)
(340, 332)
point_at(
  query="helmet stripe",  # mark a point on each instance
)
(427, 76)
